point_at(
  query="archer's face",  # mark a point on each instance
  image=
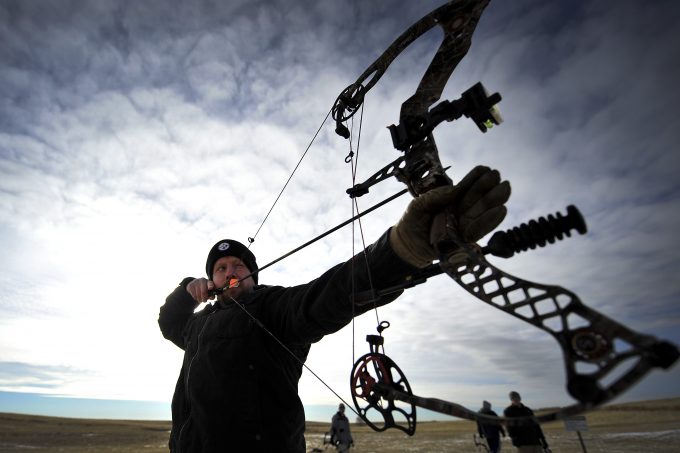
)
(229, 267)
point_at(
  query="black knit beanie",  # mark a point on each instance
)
(229, 247)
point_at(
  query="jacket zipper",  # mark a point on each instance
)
(186, 383)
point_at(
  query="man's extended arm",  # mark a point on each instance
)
(307, 312)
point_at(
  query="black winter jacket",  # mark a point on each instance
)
(238, 388)
(491, 431)
(529, 433)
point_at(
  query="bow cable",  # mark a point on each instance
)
(354, 163)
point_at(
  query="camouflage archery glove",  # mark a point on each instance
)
(472, 208)
(410, 237)
(479, 206)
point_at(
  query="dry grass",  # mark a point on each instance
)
(651, 426)
(22, 433)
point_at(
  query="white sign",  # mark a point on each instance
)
(576, 423)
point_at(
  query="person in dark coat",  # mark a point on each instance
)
(527, 437)
(490, 431)
(237, 389)
(341, 436)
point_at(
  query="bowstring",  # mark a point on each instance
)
(311, 142)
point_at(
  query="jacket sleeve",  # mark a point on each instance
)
(541, 436)
(305, 313)
(175, 313)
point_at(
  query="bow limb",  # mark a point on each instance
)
(602, 357)
(388, 393)
(457, 19)
(420, 167)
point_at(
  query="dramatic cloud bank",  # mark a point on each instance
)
(133, 135)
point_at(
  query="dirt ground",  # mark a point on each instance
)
(652, 426)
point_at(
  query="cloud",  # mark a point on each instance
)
(18, 376)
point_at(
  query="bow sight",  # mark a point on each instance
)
(475, 103)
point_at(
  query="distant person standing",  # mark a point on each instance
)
(527, 437)
(490, 431)
(341, 436)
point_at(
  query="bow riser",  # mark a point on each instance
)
(458, 21)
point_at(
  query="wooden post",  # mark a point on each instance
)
(580, 439)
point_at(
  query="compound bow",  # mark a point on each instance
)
(589, 340)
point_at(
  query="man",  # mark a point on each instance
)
(490, 431)
(237, 388)
(527, 437)
(341, 436)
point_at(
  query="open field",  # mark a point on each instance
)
(650, 426)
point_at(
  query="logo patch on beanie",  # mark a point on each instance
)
(223, 246)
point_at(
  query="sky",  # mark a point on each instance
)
(134, 135)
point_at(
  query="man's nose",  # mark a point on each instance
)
(231, 270)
